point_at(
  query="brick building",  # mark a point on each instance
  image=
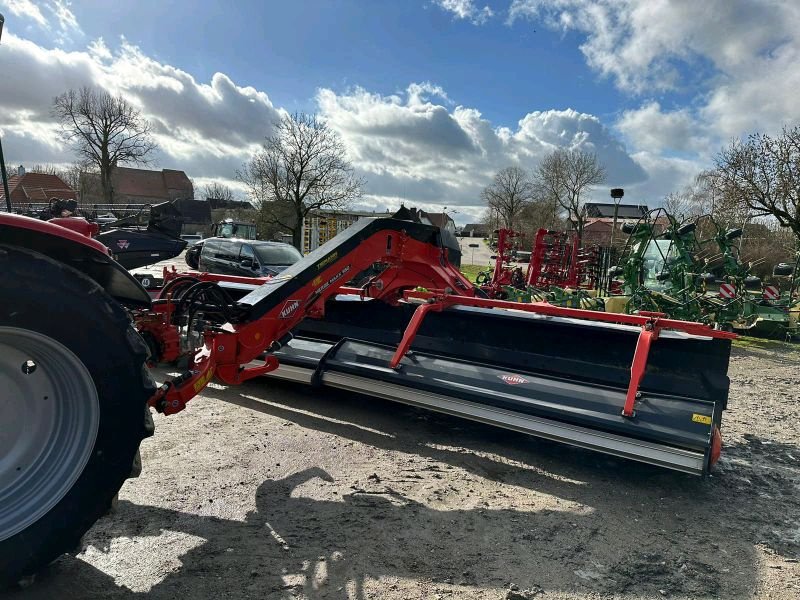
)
(35, 188)
(600, 222)
(138, 186)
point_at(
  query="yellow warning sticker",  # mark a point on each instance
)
(701, 419)
(206, 377)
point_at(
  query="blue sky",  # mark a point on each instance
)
(430, 96)
(292, 48)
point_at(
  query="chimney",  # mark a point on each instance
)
(20, 170)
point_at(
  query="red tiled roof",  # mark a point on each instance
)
(143, 183)
(152, 184)
(37, 188)
(138, 182)
(176, 180)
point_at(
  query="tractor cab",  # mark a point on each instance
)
(232, 229)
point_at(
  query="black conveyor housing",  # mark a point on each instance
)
(281, 288)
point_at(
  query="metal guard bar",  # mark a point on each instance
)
(651, 325)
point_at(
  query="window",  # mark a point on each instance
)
(278, 254)
(247, 254)
(220, 249)
(225, 230)
(654, 259)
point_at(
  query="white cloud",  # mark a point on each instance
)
(735, 60)
(415, 145)
(425, 152)
(211, 127)
(421, 92)
(738, 58)
(639, 41)
(99, 51)
(466, 10)
(65, 24)
(652, 129)
(26, 9)
(65, 17)
(664, 175)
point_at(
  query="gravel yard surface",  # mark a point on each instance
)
(271, 490)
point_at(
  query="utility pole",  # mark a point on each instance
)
(616, 196)
(3, 173)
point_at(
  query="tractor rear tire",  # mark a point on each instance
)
(73, 401)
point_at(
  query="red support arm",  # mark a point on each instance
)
(412, 329)
(647, 336)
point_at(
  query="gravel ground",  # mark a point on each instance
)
(270, 490)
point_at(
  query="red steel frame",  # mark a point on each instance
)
(554, 260)
(501, 275)
(415, 272)
(229, 348)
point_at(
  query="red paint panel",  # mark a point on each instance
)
(31, 224)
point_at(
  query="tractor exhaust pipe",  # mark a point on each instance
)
(2, 160)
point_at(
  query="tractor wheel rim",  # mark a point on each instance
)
(50, 417)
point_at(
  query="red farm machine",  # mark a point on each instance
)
(559, 270)
(377, 310)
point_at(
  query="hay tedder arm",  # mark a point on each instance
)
(409, 255)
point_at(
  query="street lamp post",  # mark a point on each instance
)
(616, 196)
(3, 174)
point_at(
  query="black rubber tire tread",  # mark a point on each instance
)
(46, 296)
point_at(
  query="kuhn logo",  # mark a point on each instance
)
(513, 379)
(289, 309)
(122, 244)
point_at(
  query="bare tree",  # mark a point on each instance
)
(217, 191)
(510, 191)
(762, 175)
(539, 214)
(72, 175)
(46, 169)
(301, 167)
(678, 204)
(703, 197)
(104, 130)
(563, 178)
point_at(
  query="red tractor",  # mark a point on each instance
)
(77, 332)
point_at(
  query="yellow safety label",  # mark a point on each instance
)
(205, 378)
(701, 419)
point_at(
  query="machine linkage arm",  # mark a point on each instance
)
(266, 324)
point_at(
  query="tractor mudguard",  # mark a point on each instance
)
(78, 251)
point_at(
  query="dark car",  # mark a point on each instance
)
(247, 258)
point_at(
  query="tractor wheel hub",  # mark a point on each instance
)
(51, 415)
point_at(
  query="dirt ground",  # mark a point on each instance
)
(271, 490)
